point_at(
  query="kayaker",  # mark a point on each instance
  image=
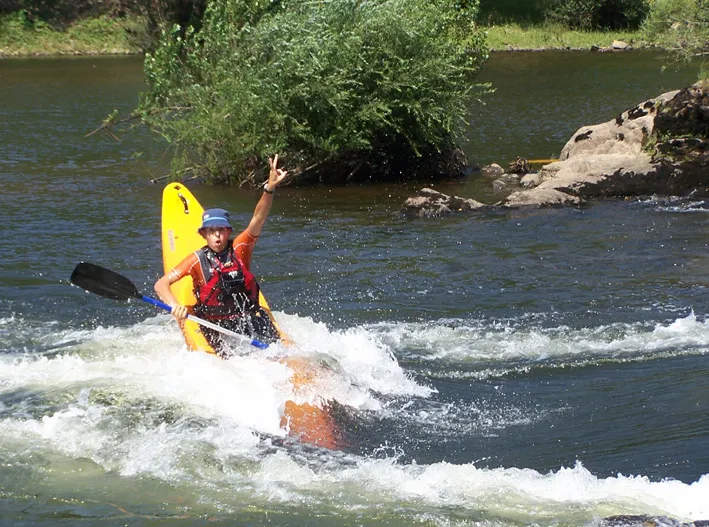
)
(226, 290)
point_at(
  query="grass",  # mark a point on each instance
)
(553, 36)
(92, 36)
(104, 35)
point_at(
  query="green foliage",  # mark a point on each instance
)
(519, 11)
(703, 76)
(603, 14)
(162, 14)
(57, 13)
(14, 23)
(554, 36)
(682, 25)
(314, 80)
(19, 35)
(62, 15)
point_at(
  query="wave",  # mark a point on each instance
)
(133, 401)
(513, 345)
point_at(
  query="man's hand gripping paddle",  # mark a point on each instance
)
(110, 284)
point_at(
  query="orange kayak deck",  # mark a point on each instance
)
(313, 424)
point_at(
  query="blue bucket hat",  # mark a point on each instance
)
(215, 218)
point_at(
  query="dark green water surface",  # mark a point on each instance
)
(510, 368)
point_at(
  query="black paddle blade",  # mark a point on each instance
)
(103, 282)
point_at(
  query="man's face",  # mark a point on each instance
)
(217, 238)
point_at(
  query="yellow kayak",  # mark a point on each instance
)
(181, 218)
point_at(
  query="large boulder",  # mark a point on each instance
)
(660, 146)
(609, 175)
(636, 153)
(627, 134)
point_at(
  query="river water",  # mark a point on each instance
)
(508, 368)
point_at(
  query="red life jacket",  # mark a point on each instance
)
(229, 290)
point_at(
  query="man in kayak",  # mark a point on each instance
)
(227, 292)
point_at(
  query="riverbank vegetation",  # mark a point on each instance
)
(555, 36)
(54, 27)
(21, 36)
(344, 89)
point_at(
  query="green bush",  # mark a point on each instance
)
(321, 82)
(520, 11)
(603, 14)
(679, 24)
(58, 13)
(161, 14)
(61, 14)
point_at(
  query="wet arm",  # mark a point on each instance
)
(162, 288)
(263, 207)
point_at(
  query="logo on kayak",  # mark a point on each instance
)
(171, 239)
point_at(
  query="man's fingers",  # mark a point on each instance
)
(179, 312)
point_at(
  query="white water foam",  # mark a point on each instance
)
(517, 495)
(147, 365)
(501, 342)
(136, 402)
(676, 204)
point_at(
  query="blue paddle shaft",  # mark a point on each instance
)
(206, 323)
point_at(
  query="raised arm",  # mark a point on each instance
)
(263, 207)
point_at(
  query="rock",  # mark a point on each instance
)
(660, 146)
(616, 45)
(531, 180)
(499, 185)
(682, 128)
(502, 183)
(539, 198)
(643, 520)
(611, 159)
(687, 113)
(684, 147)
(430, 203)
(509, 179)
(599, 175)
(492, 169)
(626, 134)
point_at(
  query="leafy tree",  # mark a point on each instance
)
(365, 88)
(603, 14)
(157, 14)
(679, 24)
(521, 11)
(162, 14)
(58, 13)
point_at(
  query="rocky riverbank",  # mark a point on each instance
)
(658, 147)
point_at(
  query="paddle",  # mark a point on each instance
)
(110, 284)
